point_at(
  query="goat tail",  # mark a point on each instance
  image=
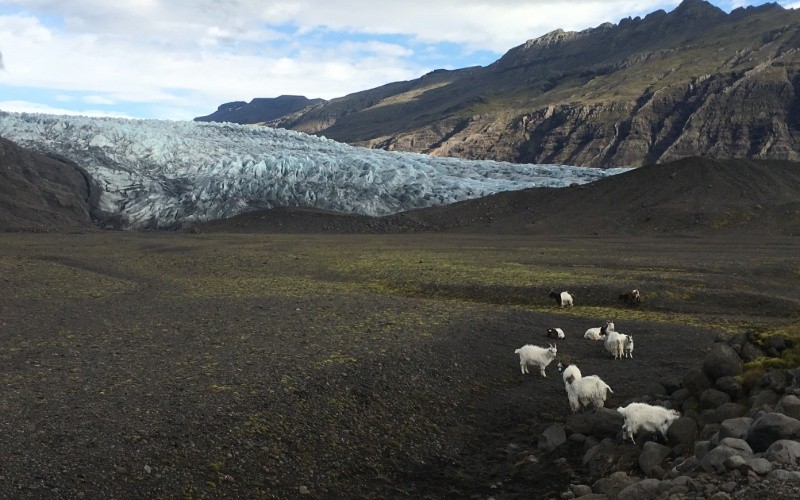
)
(517, 351)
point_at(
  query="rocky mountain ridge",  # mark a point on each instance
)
(694, 81)
(259, 109)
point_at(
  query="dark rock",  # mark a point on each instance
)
(655, 390)
(788, 476)
(601, 423)
(777, 342)
(714, 460)
(790, 406)
(722, 361)
(707, 431)
(646, 488)
(701, 449)
(735, 427)
(712, 398)
(696, 381)
(609, 457)
(759, 465)
(724, 412)
(680, 395)
(783, 452)
(776, 381)
(613, 484)
(580, 490)
(652, 455)
(683, 431)
(552, 437)
(730, 386)
(750, 352)
(577, 438)
(761, 397)
(770, 428)
(670, 384)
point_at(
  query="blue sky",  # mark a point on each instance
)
(177, 59)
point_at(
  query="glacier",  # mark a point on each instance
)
(157, 174)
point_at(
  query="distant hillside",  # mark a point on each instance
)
(689, 196)
(259, 110)
(694, 81)
(40, 193)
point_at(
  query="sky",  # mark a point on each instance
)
(179, 59)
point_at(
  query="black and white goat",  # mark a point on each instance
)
(562, 299)
(631, 298)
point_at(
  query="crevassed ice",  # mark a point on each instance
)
(158, 174)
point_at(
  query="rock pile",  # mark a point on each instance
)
(732, 440)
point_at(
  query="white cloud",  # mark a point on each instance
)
(35, 107)
(193, 55)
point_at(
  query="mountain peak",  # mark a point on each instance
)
(696, 9)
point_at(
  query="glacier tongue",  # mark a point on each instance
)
(161, 174)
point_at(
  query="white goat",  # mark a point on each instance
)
(533, 355)
(555, 333)
(562, 299)
(598, 333)
(584, 391)
(615, 343)
(642, 417)
(628, 349)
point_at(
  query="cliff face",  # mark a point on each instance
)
(694, 81)
(40, 193)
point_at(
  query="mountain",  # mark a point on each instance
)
(151, 174)
(41, 193)
(694, 81)
(259, 110)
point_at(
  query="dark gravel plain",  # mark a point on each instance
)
(275, 365)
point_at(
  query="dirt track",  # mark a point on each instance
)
(152, 365)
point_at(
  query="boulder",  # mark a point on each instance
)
(723, 413)
(608, 457)
(680, 395)
(713, 398)
(613, 484)
(722, 361)
(701, 449)
(730, 386)
(770, 428)
(670, 384)
(552, 437)
(739, 445)
(735, 427)
(750, 352)
(646, 488)
(790, 406)
(652, 456)
(788, 476)
(683, 431)
(696, 381)
(601, 423)
(784, 452)
(715, 460)
(775, 343)
(776, 381)
(759, 465)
